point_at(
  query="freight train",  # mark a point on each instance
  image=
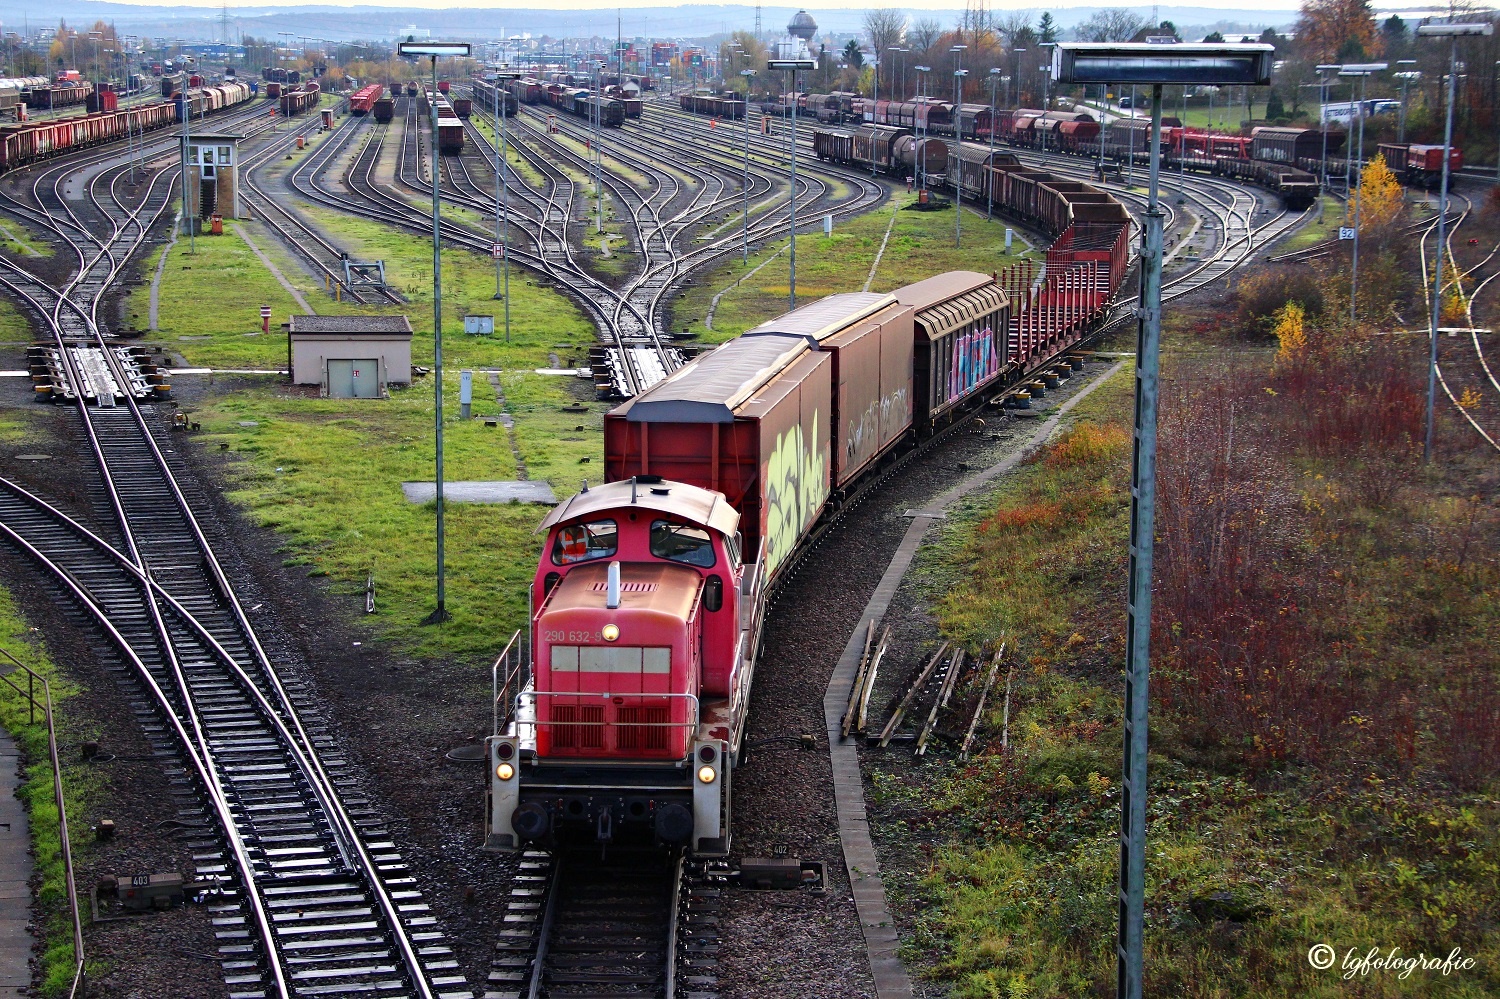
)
(725, 106)
(450, 128)
(32, 141)
(57, 94)
(525, 91)
(651, 589)
(302, 98)
(484, 95)
(585, 104)
(383, 109)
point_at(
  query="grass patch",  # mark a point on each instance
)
(327, 473)
(36, 790)
(18, 241)
(1317, 230)
(1371, 822)
(921, 244)
(541, 318)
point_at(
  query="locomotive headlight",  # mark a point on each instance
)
(611, 632)
(707, 774)
(505, 771)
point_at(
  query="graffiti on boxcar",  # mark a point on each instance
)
(975, 361)
(870, 429)
(796, 486)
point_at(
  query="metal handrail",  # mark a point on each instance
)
(495, 688)
(79, 986)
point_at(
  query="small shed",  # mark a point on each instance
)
(350, 357)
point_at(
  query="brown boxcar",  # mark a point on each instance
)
(870, 339)
(961, 320)
(749, 419)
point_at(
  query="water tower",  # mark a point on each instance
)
(802, 26)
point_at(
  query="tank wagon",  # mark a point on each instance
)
(889, 150)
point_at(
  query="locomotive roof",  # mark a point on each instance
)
(666, 589)
(677, 499)
(709, 389)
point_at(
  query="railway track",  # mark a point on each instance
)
(624, 923)
(313, 898)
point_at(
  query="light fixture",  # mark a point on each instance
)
(437, 50)
(1184, 63)
(1455, 29)
(707, 774)
(611, 632)
(505, 771)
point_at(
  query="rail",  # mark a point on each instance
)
(79, 985)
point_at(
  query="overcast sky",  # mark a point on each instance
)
(1271, 6)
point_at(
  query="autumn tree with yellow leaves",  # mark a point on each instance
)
(1338, 30)
(1380, 199)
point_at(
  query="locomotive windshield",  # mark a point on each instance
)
(585, 542)
(681, 543)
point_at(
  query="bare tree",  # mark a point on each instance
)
(923, 34)
(886, 26)
(1009, 23)
(1111, 25)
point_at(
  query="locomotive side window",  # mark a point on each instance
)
(682, 543)
(584, 542)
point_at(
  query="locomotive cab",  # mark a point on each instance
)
(642, 650)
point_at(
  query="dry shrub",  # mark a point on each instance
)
(1086, 444)
(1261, 295)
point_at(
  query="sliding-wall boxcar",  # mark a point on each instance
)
(962, 320)
(749, 419)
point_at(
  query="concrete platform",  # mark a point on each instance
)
(530, 491)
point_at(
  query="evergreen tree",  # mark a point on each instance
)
(1046, 28)
(1217, 38)
(1274, 108)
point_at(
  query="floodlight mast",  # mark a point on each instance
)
(792, 66)
(433, 50)
(1156, 66)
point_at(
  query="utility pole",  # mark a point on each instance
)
(958, 98)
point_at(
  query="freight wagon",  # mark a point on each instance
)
(730, 107)
(384, 109)
(295, 102)
(1421, 166)
(171, 83)
(484, 96)
(526, 91)
(586, 105)
(887, 149)
(364, 99)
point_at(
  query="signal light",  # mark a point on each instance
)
(707, 774)
(505, 771)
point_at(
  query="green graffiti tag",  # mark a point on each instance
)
(796, 486)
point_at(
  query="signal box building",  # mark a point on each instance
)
(350, 357)
(213, 175)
